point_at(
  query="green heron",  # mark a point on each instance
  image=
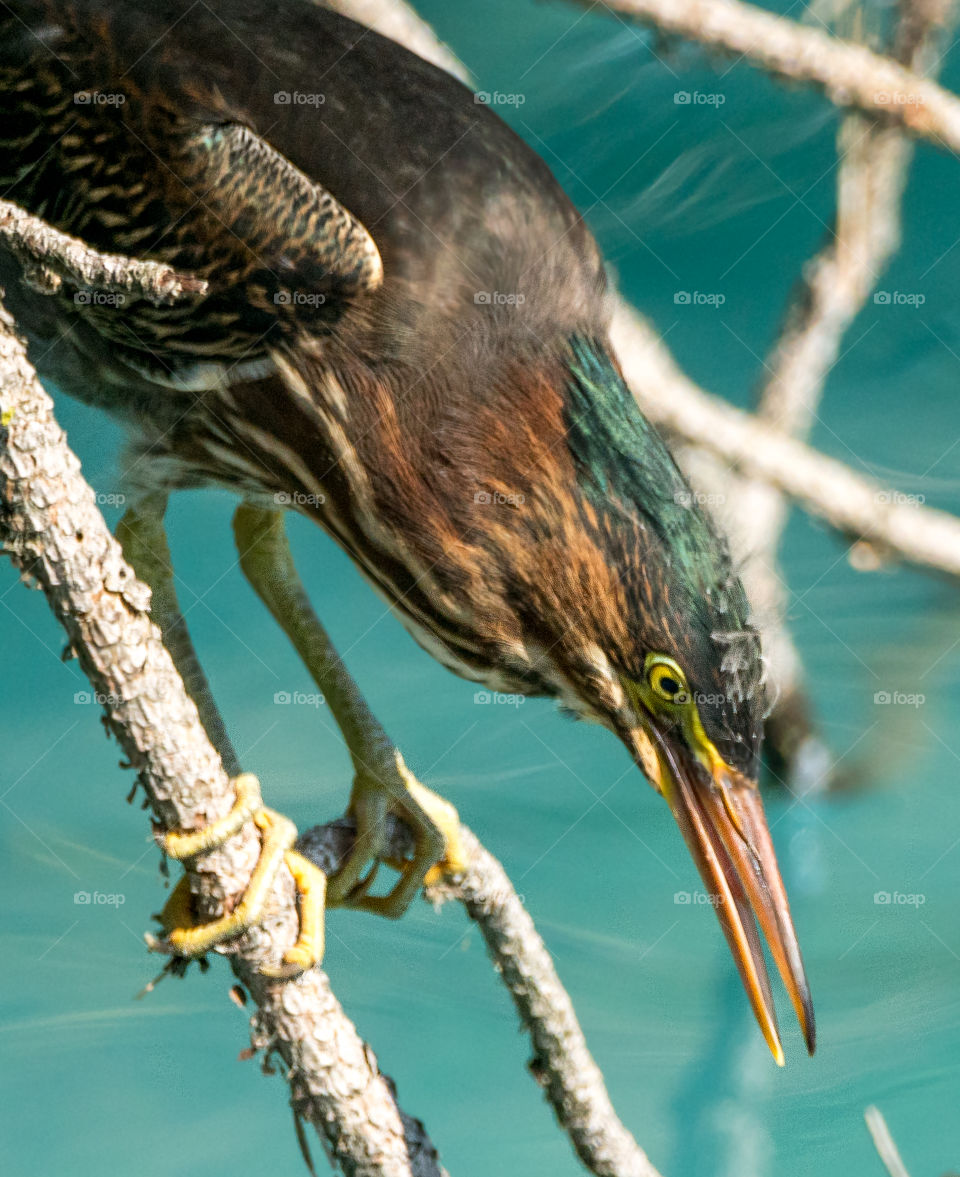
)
(404, 337)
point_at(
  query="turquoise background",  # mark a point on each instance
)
(730, 199)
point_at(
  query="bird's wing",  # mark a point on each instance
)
(295, 227)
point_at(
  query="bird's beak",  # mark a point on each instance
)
(721, 817)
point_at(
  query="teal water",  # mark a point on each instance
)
(724, 199)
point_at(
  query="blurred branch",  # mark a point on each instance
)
(863, 510)
(849, 74)
(883, 1142)
(399, 22)
(53, 531)
(871, 175)
(873, 163)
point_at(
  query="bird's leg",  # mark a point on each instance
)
(436, 832)
(143, 538)
(382, 784)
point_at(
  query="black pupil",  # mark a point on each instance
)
(669, 685)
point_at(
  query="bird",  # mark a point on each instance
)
(403, 334)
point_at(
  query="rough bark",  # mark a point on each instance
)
(50, 526)
(50, 257)
(561, 1063)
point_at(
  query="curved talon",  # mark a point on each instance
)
(369, 804)
(438, 850)
(184, 937)
(360, 890)
(311, 885)
(181, 844)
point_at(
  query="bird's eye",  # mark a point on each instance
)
(667, 680)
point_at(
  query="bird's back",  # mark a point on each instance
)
(471, 226)
(396, 415)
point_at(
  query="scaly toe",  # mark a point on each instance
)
(184, 937)
(311, 884)
(181, 844)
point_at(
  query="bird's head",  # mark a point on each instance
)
(558, 550)
(647, 623)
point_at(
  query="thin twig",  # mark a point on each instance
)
(849, 74)
(50, 257)
(836, 283)
(883, 1142)
(52, 529)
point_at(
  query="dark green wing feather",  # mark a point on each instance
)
(293, 224)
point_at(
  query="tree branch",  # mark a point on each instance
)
(884, 1143)
(50, 257)
(562, 1063)
(53, 531)
(855, 505)
(399, 22)
(873, 165)
(849, 74)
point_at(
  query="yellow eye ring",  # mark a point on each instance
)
(667, 680)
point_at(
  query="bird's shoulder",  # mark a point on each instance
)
(468, 222)
(446, 189)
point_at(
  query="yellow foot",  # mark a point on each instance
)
(445, 817)
(438, 850)
(184, 937)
